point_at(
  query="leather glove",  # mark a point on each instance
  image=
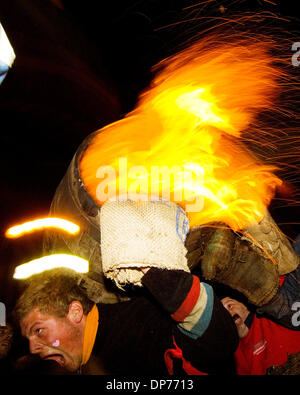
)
(230, 260)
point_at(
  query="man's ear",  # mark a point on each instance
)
(75, 313)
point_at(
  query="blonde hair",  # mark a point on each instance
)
(51, 292)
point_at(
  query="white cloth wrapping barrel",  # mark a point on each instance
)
(137, 234)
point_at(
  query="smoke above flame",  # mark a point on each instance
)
(193, 116)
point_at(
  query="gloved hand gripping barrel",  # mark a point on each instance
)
(249, 261)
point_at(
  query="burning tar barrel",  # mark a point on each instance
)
(189, 124)
(211, 245)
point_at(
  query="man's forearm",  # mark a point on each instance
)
(188, 300)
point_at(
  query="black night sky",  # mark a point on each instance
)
(80, 65)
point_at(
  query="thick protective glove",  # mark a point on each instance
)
(230, 260)
(135, 235)
(268, 235)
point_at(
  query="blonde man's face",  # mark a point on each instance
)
(59, 339)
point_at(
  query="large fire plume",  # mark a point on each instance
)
(191, 120)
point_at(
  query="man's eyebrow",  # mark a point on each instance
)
(32, 326)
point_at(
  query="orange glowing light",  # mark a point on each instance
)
(190, 121)
(42, 223)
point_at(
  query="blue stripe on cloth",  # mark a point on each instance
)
(200, 327)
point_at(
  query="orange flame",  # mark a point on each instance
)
(191, 120)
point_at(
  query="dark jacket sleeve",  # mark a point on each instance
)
(205, 330)
(188, 301)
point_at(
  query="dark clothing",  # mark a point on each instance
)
(281, 308)
(133, 336)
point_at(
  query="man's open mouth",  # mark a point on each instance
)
(56, 357)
